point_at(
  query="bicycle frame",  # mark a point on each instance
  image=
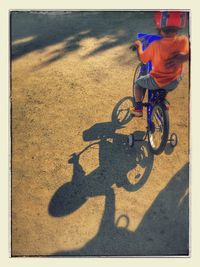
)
(153, 95)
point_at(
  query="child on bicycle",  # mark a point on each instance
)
(167, 56)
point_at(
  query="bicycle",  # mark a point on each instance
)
(157, 107)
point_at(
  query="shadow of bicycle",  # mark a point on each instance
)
(118, 164)
(128, 168)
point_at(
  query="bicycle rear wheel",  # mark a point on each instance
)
(158, 129)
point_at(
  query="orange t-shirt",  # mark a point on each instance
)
(159, 51)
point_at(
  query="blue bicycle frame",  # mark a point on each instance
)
(153, 95)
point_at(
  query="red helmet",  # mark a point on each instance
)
(170, 19)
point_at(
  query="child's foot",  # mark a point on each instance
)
(136, 112)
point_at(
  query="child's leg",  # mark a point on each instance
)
(139, 93)
(140, 88)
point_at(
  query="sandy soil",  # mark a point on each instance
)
(69, 71)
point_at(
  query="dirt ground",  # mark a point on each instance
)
(69, 71)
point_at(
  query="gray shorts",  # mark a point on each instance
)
(148, 82)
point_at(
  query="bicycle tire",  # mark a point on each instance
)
(165, 130)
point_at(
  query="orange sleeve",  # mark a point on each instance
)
(147, 54)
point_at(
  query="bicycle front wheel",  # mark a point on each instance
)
(136, 76)
(158, 129)
(140, 70)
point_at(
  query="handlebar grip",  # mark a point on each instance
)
(133, 47)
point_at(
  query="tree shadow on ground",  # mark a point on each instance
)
(164, 230)
(33, 31)
(36, 30)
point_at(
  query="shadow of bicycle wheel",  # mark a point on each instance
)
(121, 113)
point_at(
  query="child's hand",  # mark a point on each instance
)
(138, 43)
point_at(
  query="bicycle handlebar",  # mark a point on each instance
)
(133, 47)
(146, 39)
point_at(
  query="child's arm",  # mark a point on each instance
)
(138, 43)
(177, 60)
(181, 56)
(145, 55)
